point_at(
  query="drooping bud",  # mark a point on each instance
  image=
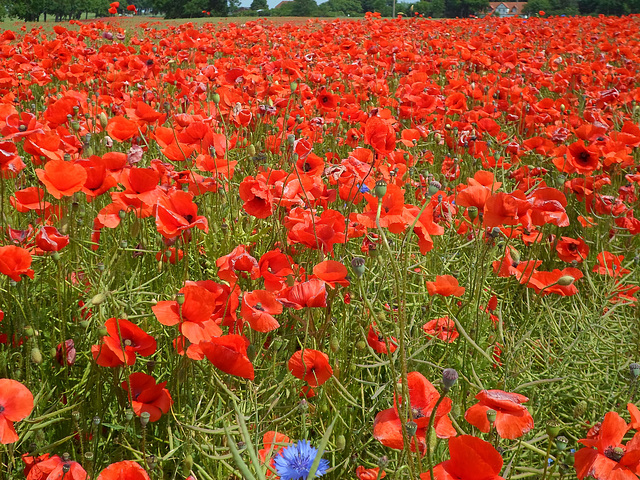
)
(566, 280)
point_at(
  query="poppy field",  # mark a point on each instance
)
(382, 248)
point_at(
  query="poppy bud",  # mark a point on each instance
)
(216, 98)
(187, 465)
(634, 369)
(104, 121)
(56, 256)
(357, 264)
(98, 299)
(334, 344)
(449, 378)
(144, 419)
(380, 190)
(472, 212)
(251, 150)
(515, 255)
(491, 415)
(36, 355)
(412, 428)
(102, 331)
(361, 345)
(291, 139)
(341, 442)
(75, 126)
(580, 409)
(565, 280)
(561, 443)
(293, 86)
(303, 405)
(29, 331)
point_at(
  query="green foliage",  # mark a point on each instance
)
(343, 8)
(430, 8)
(304, 8)
(259, 5)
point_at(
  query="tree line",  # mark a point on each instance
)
(36, 10)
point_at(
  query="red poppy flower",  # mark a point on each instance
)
(378, 343)
(238, 263)
(147, 396)
(125, 470)
(122, 129)
(380, 135)
(49, 239)
(61, 178)
(512, 419)
(442, 328)
(193, 316)
(471, 458)
(312, 293)
(16, 403)
(275, 267)
(369, 473)
(10, 162)
(273, 443)
(311, 366)
(30, 198)
(605, 457)
(66, 353)
(332, 273)
(445, 285)
(123, 341)
(177, 213)
(258, 308)
(545, 283)
(387, 426)
(14, 262)
(229, 354)
(609, 264)
(56, 467)
(570, 249)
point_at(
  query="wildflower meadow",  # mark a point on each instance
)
(350, 249)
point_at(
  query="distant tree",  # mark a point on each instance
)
(430, 8)
(343, 8)
(464, 8)
(304, 8)
(259, 5)
(375, 6)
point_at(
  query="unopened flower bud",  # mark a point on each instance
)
(98, 299)
(216, 98)
(104, 121)
(36, 355)
(580, 409)
(449, 378)
(341, 442)
(357, 264)
(565, 280)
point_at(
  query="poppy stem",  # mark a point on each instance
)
(432, 417)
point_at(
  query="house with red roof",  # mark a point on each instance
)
(506, 9)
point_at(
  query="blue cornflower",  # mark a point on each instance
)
(364, 189)
(294, 462)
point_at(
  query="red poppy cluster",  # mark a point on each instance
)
(255, 180)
